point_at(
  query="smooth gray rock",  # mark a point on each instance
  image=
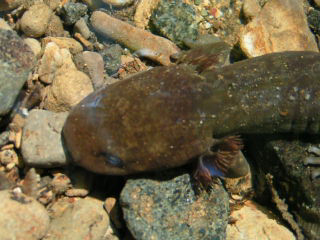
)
(16, 62)
(41, 139)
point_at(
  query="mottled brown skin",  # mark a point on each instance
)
(164, 117)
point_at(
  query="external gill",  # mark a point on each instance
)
(313, 160)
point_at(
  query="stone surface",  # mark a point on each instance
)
(22, 217)
(93, 65)
(54, 60)
(34, 21)
(64, 42)
(253, 221)
(16, 62)
(294, 181)
(10, 4)
(175, 20)
(41, 139)
(78, 219)
(166, 207)
(55, 27)
(82, 28)
(112, 58)
(118, 3)
(34, 45)
(268, 32)
(4, 25)
(72, 12)
(147, 44)
(68, 88)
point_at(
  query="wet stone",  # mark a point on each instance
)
(167, 207)
(41, 139)
(72, 12)
(175, 20)
(16, 62)
(22, 217)
(294, 181)
(314, 20)
(112, 58)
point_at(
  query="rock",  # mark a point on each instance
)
(41, 139)
(55, 27)
(64, 42)
(10, 4)
(151, 46)
(252, 221)
(175, 20)
(4, 25)
(22, 217)
(251, 8)
(60, 183)
(16, 62)
(92, 64)
(295, 177)
(53, 4)
(143, 12)
(112, 58)
(268, 32)
(82, 28)
(54, 60)
(72, 12)
(118, 3)
(314, 20)
(166, 207)
(34, 21)
(317, 3)
(68, 88)
(78, 219)
(34, 45)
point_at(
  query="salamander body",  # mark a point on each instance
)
(166, 116)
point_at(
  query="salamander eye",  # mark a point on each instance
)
(111, 159)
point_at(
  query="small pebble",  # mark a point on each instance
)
(34, 21)
(72, 12)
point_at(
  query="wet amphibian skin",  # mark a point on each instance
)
(164, 117)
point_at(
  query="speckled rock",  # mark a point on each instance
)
(41, 139)
(4, 25)
(55, 27)
(82, 28)
(72, 12)
(34, 21)
(252, 221)
(92, 64)
(314, 20)
(64, 42)
(53, 4)
(10, 4)
(22, 217)
(268, 32)
(79, 219)
(54, 59)
(167, 207)
(68, 88)
(294, 181)
(112, 58)
(16, 62)
(118, 3)
(34, 45)
(175, 20)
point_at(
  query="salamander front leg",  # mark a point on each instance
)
(222, 160)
